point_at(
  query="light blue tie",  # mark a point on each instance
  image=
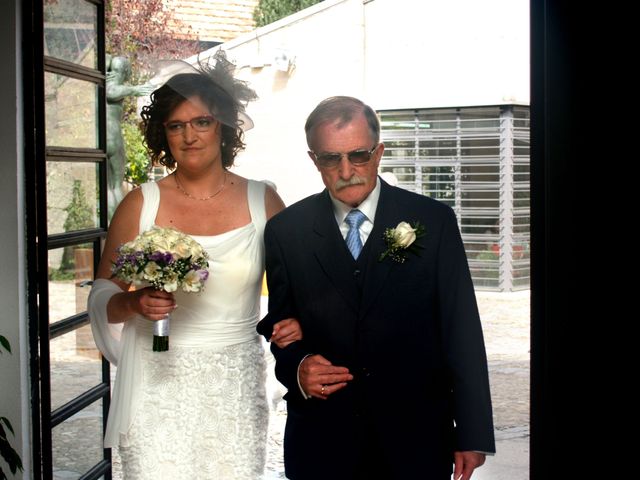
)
(354, 219)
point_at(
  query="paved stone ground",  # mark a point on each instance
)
(505, 322)
(505, 319)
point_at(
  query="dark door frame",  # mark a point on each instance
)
(39, 241)
(561, 437)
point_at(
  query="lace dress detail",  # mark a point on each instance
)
(200, 409)
(205, 415)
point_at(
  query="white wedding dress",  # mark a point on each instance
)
(199, 410)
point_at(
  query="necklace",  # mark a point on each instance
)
(175, 176)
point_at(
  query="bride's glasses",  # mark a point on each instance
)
(199, 124)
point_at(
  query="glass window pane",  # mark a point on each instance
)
(69, 270)
(521, 148)
(439, 183)
(475, 198)
(71, 112)
(70, 31)
(521, 199)
(480, 117)
(521, 173)
(403, 174)
(482, 173)
(72, 196)
(485, 226)
(398, 150)
(76, 365)
(485, 269)
(438, 148)
(77, 443)
(480, 147)
(398, 121)
(438, 120)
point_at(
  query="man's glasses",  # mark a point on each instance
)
(332, 159)
(199, 124)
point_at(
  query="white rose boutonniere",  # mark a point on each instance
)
(401, 240)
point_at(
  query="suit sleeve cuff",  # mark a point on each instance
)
(304, 394)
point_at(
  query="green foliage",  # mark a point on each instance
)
(79, 216)
(137, 165)
(488, 273)
(79, 213)
(138, 30)
(487, 255)
(9, 455)
(268, 11)
(61, 274)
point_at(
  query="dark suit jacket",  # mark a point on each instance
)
(409, 333)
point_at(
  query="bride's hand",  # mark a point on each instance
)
(286, 332)
(153, 304)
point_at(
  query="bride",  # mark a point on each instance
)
(198, 410)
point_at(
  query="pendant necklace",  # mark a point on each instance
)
(187, 194)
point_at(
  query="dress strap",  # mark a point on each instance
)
(255, 194)
(150, 205)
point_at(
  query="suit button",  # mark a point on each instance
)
(356, 273)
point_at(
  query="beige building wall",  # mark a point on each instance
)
(214, 20)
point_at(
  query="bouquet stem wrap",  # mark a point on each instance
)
(161, 334)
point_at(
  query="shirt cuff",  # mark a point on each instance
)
(304, 394)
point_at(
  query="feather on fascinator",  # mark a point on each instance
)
(234, 94)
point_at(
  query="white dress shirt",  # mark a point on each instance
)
(368, 207)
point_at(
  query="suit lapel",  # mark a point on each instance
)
(377, 272)
(332, 253)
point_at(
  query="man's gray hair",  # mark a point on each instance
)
(343, 110)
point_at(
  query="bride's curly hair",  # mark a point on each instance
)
(166, 98)
(214, 83)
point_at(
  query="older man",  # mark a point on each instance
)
(390, 380)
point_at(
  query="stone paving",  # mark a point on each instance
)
(505, 319)
(505, 322)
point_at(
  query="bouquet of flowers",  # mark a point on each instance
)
(166, 259)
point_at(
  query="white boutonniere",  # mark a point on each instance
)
(401, 240)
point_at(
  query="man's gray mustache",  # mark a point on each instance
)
(355, 180)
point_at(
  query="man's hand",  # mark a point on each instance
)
(466, 463)
(285, 332)
(319, 378)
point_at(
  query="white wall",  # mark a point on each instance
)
(14, 386)
(328, 49)
(389, 53)
(434, 53)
